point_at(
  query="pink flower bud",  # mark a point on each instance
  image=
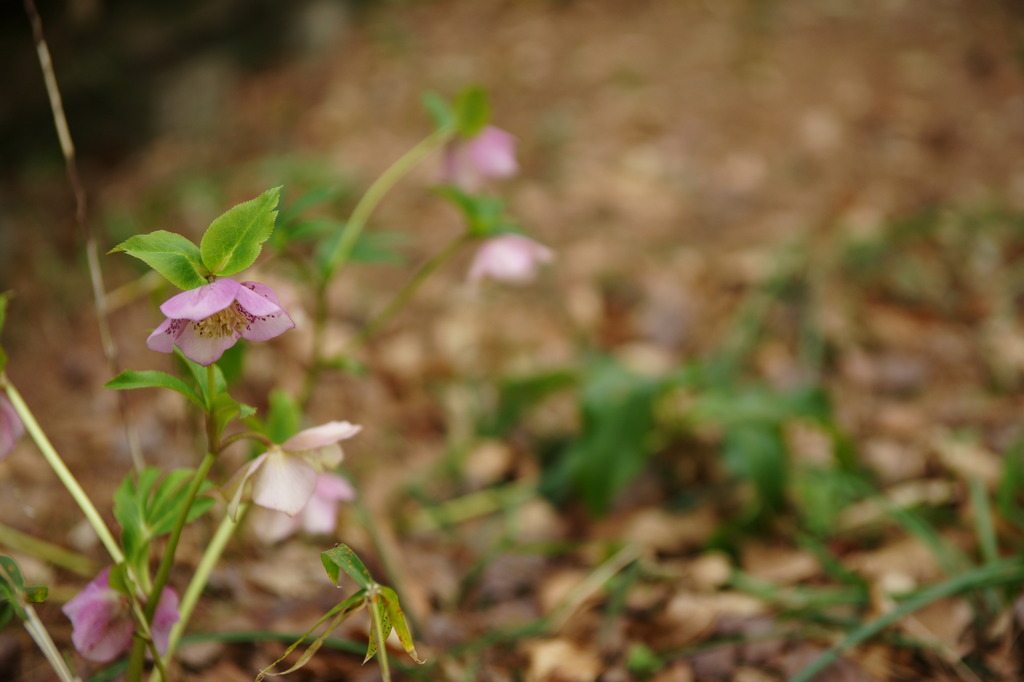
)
(490, 154)
(509, 258)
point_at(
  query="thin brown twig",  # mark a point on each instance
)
(67, 147)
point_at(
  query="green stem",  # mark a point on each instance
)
(195, 588)
(67, 147)
(377, 625)
(368, 202)
(316, 364)
(387, 558)
(163, 572)
(92, 515)
(350, 236)
(411, 287)
(42, 638)
(246, 435)
(167, 561)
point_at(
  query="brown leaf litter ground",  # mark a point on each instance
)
(677, 156)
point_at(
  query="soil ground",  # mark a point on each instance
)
(677, 156)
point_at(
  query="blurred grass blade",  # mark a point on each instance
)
(986, 576)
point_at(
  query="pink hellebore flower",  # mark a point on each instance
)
(509, 258)
(318, 517)
(11, 428)
(206, 321)
(285, 477)
(102, 624)
(490, 154)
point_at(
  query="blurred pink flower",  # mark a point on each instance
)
(11, 428)
(318, 517)
(285, 477)
(490, 154)
(509, 258)
(102, 624)
(206, 321)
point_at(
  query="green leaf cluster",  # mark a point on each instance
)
(148, 506)
(230, 244)
(753, 419)
(467, 114)
(617, 414)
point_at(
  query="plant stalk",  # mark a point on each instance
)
(68, 479)
(411, 287)
(201, 576)
(67, 147)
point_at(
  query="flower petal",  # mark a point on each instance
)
(320, 516)
(492, 153)
(163, 337)
(509, 258)
(164, 619)
(201, 348)
(318, 436)
(267, 327)
(272, 526)
(102, 629)
(333, 487)
(283, 483)
(235, 488)
(201, 302)
(11, 428)
(258, 299)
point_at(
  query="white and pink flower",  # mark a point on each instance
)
(102, 624)
(509, 258)
(285, 477)
(491, 153)
(318, 517)
(206, 321)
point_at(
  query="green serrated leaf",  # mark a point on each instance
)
(440, 111)
(170, 254)
(342, 557)
(472, 111)
(397, 616)
(234, 240)
(130, 379)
